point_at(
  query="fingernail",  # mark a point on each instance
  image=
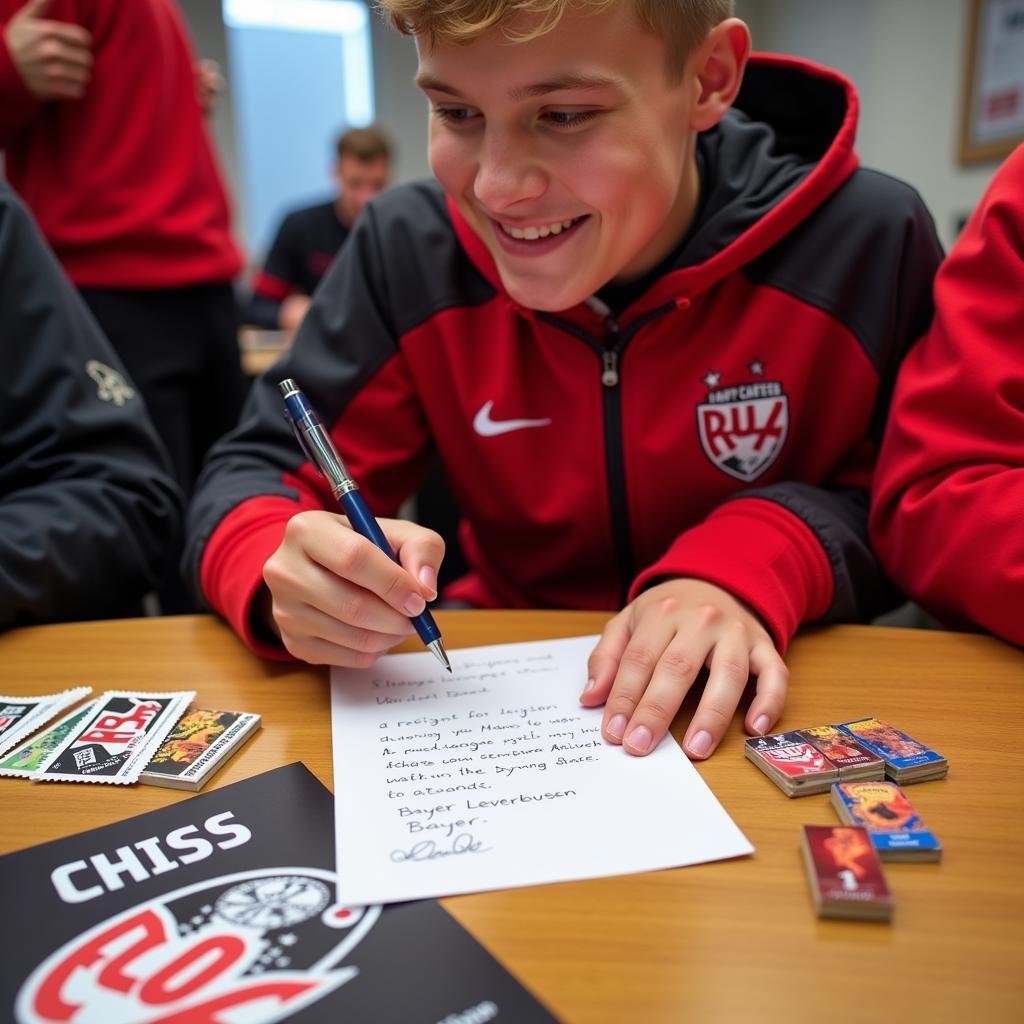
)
(700, 743)
(761, 724)
(591, 683)
(414, 604)
(428, 577)
(617, 726)
(639, 739)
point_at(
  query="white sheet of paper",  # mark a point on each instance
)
(497, 778)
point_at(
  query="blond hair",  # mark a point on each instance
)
(683, 24)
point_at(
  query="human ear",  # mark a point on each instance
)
(717, 66)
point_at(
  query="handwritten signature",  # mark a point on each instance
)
(427, 849)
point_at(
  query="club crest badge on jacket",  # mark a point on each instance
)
(743, 427)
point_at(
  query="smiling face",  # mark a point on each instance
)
(570, 155)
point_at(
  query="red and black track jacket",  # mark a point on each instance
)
(724, 426)
(123, 183)
(948, 508)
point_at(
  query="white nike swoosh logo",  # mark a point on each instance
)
(486, 427)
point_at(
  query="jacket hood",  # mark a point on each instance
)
(785, 146)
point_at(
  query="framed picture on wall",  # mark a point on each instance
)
(993, 100)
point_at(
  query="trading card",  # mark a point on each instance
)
(26, 759)
(845, 873)
(116, 740)
(896, 828)
(843, 750)
(197, 746)
(21, 716)
(896, 747)
(790, 754)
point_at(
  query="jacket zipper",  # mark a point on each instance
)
(610, 353)
(615, 456)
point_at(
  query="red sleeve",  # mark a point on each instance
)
(232, 569)
(17, 105)
(269, 287)
(948, 510)
(761, 553)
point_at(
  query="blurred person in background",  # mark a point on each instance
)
(101, 125)
(309, 238)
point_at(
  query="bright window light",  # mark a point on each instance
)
(301, 72)
(339, 17)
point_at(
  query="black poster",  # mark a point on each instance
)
(221, 910)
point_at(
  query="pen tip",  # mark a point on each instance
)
(441, 654)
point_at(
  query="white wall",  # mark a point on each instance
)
(401, 107)
(906, 58)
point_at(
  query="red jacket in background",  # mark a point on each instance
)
(948, 508)
(123, 182)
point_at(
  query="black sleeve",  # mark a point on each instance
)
(262, 311)
(284, 258)
(279, 277)
(883, 293)
(88, 510)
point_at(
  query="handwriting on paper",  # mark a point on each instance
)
(465, 756)
(497, 776)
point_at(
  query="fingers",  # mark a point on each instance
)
(673, 676)
(321, 652)
(728, 673)
(35, 8)
(72, 42)
(772, 689)
(53, 57)
(337, 598)
(292, 312)
(319, 638)
(651, 653)
(332, 544)
(420, 552)
(657, 667)
(66, 62)
(604, 660)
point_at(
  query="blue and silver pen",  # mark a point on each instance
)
(318, 447)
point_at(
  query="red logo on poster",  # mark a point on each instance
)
(251, 948)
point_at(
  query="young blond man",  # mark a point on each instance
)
(649, 320)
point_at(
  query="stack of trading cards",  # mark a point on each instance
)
(25, 760)
(198, 746)
(845, 873)
(22, 716)
(906, 760)
(114, 738)
(896, 829)
(792, 762)
(853, 760)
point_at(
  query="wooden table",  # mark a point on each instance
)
(718, 942)
(260, 348)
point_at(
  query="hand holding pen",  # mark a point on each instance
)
(341, 596)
